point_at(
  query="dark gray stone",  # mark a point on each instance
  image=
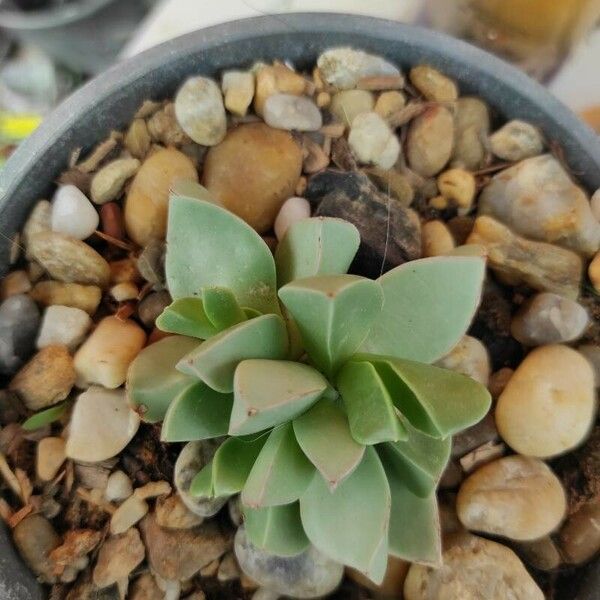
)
(19, 322)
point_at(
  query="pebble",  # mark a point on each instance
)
(13, 283)
(309, 574)
(234, 508)
(549, 319)
(107, 353)
(373, 142)
(253, 171)
(133, 510)
(459, 187)
(172, 513)
(118, 487)
(469, 357)
(229, 569)
(238, 89)
(153, 489)
(542, 266)
(499, 380)
(516, 141)
(473, 569)
(178, 555)
(594, 272)
(68, 259)
(118, 557)
(200, 111)
(541, 554)
(348, 104)
(472, 122)
(579, 538)
(164, 128)
(393, 183)
(344, 67)
(549, 404)
(592, 353)
(50, 457)
(430, 141)
(293, 210)
(147, 200)
(276, 79)
(537, 199)
(393, 581)
(151, 263)
(19, 320)
(89, 442)
(63, 325)
(436, 239)
(51, 293)
(433, 85)
(35, 538)
(389, 102)
(515, 497)
(124, 270)
(72, 213)
(46, 379)
(152, 305)
(107, 184)
(595, 205)
(124, 291)
(39, 220)
(289, 112)
(145, 588)
(137, 141)
(481, 456)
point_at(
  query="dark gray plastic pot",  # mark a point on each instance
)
(110, 101)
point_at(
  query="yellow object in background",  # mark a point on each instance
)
(15, 127)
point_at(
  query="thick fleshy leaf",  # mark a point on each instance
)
(418, 461)
(192, 189)
(350, 524)
(186, 316)
(202, 484)
(428, 307)
(198, 413)
(209, 246)
(276, 529)
(369, 406)
(334, 314)
(215, 361)
(280, 474)
(414, 533)
(221, 308)
(270, 392)
(324, 435)
(317, 246)
(437, 401)
(152, 380)
(45, 417)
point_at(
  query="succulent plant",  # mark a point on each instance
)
(333, 425)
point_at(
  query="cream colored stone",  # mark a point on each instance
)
(124, 291)
(469, 357)
(238, 88)
(274, 79)
(433, 84)
(50, 457)
(348, 104)
(436, 239)
(133, 510)
(389, 102)
(107, 184)
(458, 186)
(51, 293)
(118, 487)
(594, 272)
(372, 141)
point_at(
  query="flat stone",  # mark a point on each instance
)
(348, 104)
(132, 511)
(72, 213)
(541, 554)
(433, 85)
(238, 89)
(108, 183)
(579, 538)
(63, 325)
(472, 125)
(19, 321)
(293, 210)
(50, 293)
(118, 557)
(152, 306)
(172, 513)
(137, 140)
(389, 102)
(436, 238)
(38, 221)
(372, 141)
(118, 487)
(50, 457)
(275, 79)
(517, 140)
(289, 112)
(475, 436)
(35, 539)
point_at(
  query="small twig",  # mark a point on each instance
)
(381, 82)
(19, 516)
(114, 241)
(10, 478)
(493, 168)
(88, 497)
(125, 311)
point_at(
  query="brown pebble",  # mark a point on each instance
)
(111, 218)
(16, 282)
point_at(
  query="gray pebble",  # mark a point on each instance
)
(19, 321)
(151, 307)
(286, 111)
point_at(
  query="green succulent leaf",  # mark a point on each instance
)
(209, 246)
(324, 435)
(198, 413)
(280, 474)
(371, 412)
(334, 314)
(270, 392)
(317, 246)
(45, 417)
(202, 484)
(350, 524)
(276, 529)
(437, 401)
(429, 305)
(192, 189)
(186, 316)
(152, 380)
(221, 308)
(215, 361)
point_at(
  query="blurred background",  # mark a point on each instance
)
(48, 48)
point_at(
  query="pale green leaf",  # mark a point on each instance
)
(350, 524)
(276, 529)
(428, 307)
(209, 246)
(370, 409)
(198, 413)
(152, 380)
(45, 417)
(270, 392)
(221, 308)
(317, 246)
(215, 361)
(334, 314)
(191, 189)
(186, 316)
(202, 484)
(280, 474)
(324, 435)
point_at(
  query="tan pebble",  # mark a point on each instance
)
(46, 379)
(35, 271)
(469, 357)
(50, 457)
(595, 204)
(229, 570)
(210, 570)
(148, 197)
(85, 297)
(145, 588)
(392, 182)
(35, 539)
(138, 140)
(124, 291)
(433, 84)
(238, 88)
(472, 121)
(117, 558)
(499, 380)
(482, 456)
(580, 536)
(39, 220)
(107, 184)
(134, 509)
(389, 102)
(164, 128)
(549, 404)
(276, 79)
(516, 497)
(106, 355)
(458, 186)
(594, 272)
(301, 186)
(541, 554)
(16, 282)
(348, 104)
(438, 202)
(392, 583)
(172, 513)
(154, 489)
(436, 239)
(124, 270)
(323, 99)
(118, 487)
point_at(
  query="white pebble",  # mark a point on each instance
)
(293, 210)
(286, 111)
(373, 142)
(469, 357)
(595, 205)
(134, 509)
(63, 325)
(73, 214)
(118, 487)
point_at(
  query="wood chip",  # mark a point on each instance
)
(25, 484)
(17, 517)
(96, 500)
(6, 512)
(315, 158)
(100, 152)
(406, 114)
(114, 241)
(381, 82)
(333, 130)
(154, 489)
(10, 478)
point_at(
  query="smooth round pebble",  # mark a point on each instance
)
(594, 272)
(436, 239)
(19, 320)
(293, 210)
(389, 102)
(200, 111)
(516, 141)
(469, 357)
(541, 554)
(238, 89)
(372, 141)
(458, 186)
(63, 325)
(472, 122)
(72, 213)
(579, 538)
(118, 487)
(35, 538)
(515, 497)
(549, 403)
(289, 112)
(107, 184)
(433, 84)
(347, 104)
(50, 457)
